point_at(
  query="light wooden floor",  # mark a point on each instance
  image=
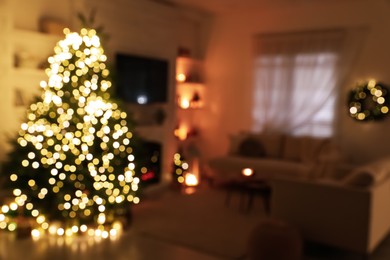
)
(134, 246)
(128, 246)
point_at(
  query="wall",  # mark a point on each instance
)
(141, 27)
(5, 68)
(229, 79)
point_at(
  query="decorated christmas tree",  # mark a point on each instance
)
(72, 163)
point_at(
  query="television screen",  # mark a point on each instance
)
(141, 80)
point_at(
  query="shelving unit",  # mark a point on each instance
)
(30, 50)
(190, 96)
(192, 69)
(190, 86)
(25, 86)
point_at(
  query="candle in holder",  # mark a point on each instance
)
(247, 172)
(191, 180)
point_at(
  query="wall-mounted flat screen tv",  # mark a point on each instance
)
(141, 80)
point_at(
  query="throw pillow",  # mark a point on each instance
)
(250, 147)
(235, 140)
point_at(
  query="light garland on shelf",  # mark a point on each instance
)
(368, 101)
(74, 152)
(181, 167)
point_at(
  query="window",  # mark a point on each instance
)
(296, 78)
(321, 121)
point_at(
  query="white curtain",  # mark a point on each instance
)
(297, 76)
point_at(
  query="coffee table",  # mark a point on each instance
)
(248, 189)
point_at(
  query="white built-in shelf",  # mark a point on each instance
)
(191, 68)
(190, 94)
(25, 83)
(185, 92)
(37, 39)
(190, 77)
(31, 48)
(27, 80)
(30, 52)
(29, 72)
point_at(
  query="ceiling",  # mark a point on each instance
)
(220, 6)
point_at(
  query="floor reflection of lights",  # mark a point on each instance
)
(60, 247)
(128, 245)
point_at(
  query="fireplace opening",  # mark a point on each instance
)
(148, 162)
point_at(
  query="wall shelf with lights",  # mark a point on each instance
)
(190, 83)
(190, 96)
(24, 65)
(25, 83)
(30, 50)
(189, 70)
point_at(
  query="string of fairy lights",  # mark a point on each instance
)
(181, 167)
(63, 137)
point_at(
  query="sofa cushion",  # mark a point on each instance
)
(306, 149)
(273, 144)
(251, 147)
(330, 153)
(311, 148)
(292, 148)
(336, 171)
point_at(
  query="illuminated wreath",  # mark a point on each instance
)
(369, 101)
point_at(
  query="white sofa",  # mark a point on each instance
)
(275, 156)
(352, 213)
(327, 201)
